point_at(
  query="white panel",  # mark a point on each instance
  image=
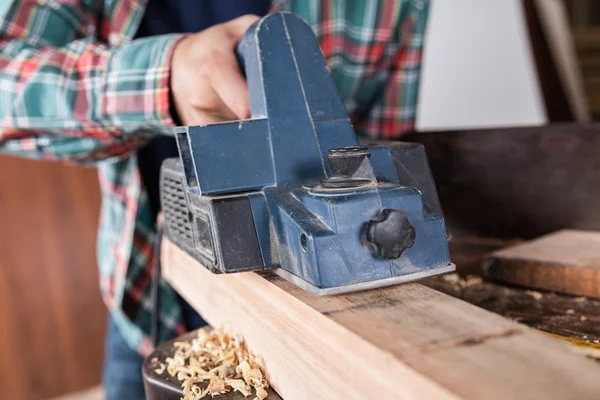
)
(478, 67)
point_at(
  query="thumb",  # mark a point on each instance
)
(238, 27)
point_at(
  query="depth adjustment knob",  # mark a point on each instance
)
(388, 234)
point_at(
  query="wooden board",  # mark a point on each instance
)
(587, 42)
(574, 319)
(402, 342)
(556, 61)
(567, 261)
(554, 19)
(469, 252)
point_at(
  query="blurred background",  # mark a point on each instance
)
(493, 63)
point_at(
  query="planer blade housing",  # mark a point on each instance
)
(292, 189)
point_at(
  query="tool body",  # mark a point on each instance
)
(292, 190)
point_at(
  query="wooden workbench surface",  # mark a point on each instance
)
(574, 318)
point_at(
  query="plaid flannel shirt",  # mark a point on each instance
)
(74, 86)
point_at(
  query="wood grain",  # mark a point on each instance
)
(556, 32)
(567, 261)
(469, 253)
(52, 319)
(587, 42)
(572, 318)
(403, 342)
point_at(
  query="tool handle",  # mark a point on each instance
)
(282, 60)
(247, 54)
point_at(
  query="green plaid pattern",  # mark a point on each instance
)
(75, 87)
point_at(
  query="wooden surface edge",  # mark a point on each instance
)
(548, 276)
(403, 342)
(565, 261)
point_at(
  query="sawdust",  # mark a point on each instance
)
(459, 282)
(214, 363)
(533, 294)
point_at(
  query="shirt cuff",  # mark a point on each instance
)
(136, 91)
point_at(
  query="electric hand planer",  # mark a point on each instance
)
(292, 190)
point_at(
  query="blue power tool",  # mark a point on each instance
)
(292, 190)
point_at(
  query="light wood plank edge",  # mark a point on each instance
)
(406, 342)
(553, 277)
(579, 346)
(565, 261)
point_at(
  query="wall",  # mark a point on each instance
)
(52, 319)
(478, 67)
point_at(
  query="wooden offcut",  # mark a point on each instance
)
(567, 261)
(401, 342)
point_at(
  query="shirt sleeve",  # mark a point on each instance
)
(64, 95)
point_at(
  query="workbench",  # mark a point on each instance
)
(404, 341)
(457, 337)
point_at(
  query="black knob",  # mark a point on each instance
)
(388, 234)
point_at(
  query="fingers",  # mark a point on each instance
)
(226, 76)
(206, 81)
(227, 80)
(237, 27)
(195, 117)
(207, 108)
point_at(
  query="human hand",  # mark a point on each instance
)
(207, 85)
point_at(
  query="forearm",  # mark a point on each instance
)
(79, 100)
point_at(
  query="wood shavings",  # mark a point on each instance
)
(535, 295)
(161, 368)
(214, 363)
(570, 311)
(583, 318)
(460, 283)
(453, 278)
(472, 280)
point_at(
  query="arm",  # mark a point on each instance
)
(64, 96)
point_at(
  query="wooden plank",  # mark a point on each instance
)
(469, 252)
(587, 42)
(554, 22)
(402, 342)
(575, 319)
(567, 261)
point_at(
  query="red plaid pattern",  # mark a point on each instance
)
(72, 90)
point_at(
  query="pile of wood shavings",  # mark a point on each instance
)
(459, 282)
(214, 363)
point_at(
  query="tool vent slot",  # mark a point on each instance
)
(175, 209)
